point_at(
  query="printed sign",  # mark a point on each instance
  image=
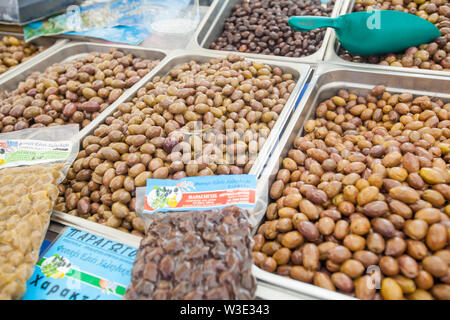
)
(200, 193)
(82, 266)
(25, 152)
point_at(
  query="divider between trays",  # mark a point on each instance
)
(329, 78)
(294, 288)
(220, 10)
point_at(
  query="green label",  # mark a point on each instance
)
(28, 152)
(60, 267)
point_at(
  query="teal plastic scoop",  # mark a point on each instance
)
(373, 32)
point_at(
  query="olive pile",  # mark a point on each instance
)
(76, 91)
(27, 197)
(262, 27)
(366, 188)
(14, 51)
(434, 55)
(199, 119)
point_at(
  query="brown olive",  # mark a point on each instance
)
(302, 274)
(367, 188)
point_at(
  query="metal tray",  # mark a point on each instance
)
(212, 25)
(51, 45)
(301, 73)
(332, 56)
(327, 80)
(72, 51)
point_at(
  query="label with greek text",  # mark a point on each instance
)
(82, 266)
(28, 152)
(200, 193)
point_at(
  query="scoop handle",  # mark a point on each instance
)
(308, 23)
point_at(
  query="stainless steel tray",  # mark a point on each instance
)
(70, 51)
(212, 25)
(332, 56)
(301, 73)
(325, 83)
(51, 45)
